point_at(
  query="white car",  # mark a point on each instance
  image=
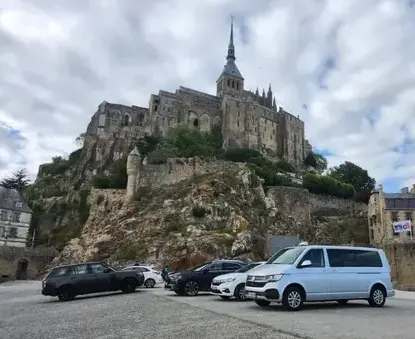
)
(232, 284)
(151, 276)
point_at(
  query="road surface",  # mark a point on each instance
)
(156, 313)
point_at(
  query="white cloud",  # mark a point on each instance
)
(72, 55)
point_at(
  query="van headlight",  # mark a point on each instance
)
(273, 278)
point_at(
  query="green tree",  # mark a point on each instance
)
(357, 177)
(317, 161)
(191, 142)
(147, 144)
(118, 173)
(18, 181)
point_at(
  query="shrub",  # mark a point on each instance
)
(117, 177)
(101, 181)
(84, 207)
(60, 165)
(326, 185)
(162, 152)
(191, 142)
(284, 166)
(199, 211)
(243, 155)
(118, 174)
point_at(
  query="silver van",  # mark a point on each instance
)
(321, 273)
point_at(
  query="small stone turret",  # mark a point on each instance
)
(133, 166)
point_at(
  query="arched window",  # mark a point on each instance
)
(140, 119)
(237, 85)
(196, 123)
(229, 83)
(233, 84)
(126, 120)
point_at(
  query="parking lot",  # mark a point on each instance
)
(24, 313)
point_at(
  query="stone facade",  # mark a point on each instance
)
(179, 169)
(24, 263)
(15, 217)
(247, 119)
(401, 258)
(386, 208)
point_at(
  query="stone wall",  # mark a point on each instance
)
(305, 203)
(13, 260)
(402, 260)
(180, 169)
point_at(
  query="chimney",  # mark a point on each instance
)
(413, 189)
(404, 190)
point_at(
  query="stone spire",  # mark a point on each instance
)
(274, 104)
(269, 97)
(231, 47)
(257, 92)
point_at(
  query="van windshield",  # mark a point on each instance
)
(288, 257)
(277, 254)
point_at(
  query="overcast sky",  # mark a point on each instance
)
(346, 67)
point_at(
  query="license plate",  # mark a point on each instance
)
(251, 295)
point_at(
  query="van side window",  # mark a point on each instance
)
(316, 256)
(353, 258)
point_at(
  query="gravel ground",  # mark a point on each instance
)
(24, 314)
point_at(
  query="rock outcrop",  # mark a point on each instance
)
(225, 213)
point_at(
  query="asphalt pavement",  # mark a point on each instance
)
(157, 313)
(26, 314)
(355, 320)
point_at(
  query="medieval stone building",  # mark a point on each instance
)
(386, 208)
(247, 119)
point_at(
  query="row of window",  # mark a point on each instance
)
(400, 203)
(9, 233)
(13, 216)
(343, 258)
(395, 216)
(78, 270)
(233, 84)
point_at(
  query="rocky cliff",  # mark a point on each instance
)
(223, 213)
(60, 193)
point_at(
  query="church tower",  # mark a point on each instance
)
(230, 81)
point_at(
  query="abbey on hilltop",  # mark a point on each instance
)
(247, 119)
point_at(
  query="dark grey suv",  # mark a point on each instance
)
(66, 282)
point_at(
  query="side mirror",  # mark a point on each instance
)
(206, 270)
(107, 270)
(305, 263)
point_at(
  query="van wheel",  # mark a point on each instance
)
(377, 296)
(66, 293)
(343, 301)
(293, 299)
(262, 303)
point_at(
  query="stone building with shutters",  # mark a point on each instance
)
(386, 208)
(246, 118)
(15, 217)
